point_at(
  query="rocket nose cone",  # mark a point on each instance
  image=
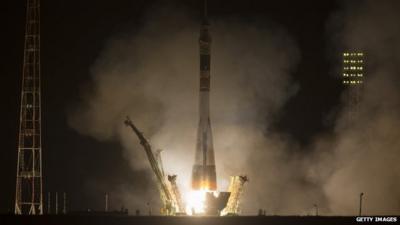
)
(205, 36)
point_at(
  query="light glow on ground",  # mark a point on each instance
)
(195, 202)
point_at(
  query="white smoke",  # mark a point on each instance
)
(364, 155)
(153, 76)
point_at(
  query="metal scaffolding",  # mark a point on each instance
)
(28, 194)
(236, 190)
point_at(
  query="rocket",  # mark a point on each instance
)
(203, 172)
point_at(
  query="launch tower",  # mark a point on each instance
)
(28, 194)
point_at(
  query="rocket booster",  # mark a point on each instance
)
(203, 172)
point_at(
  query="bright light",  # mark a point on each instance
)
(195, 202)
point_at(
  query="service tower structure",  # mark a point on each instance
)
(204, 173)
(28, 193)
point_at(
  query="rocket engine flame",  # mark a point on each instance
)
(195, 202)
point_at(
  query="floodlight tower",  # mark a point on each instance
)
(28, 194)
(353, 79)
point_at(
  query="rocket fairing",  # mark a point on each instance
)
(203, 172)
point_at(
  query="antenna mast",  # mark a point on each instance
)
(205, 9)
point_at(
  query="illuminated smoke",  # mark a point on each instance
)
(153, 77)
(364, 156)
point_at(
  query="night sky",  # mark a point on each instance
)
(73, 34)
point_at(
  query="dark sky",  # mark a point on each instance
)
(73, 35)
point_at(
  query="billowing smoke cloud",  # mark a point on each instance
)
(153, 76)
(366, 151)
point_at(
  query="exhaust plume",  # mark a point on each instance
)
(153, 77)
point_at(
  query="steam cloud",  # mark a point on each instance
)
(153, 77)
(364, 155)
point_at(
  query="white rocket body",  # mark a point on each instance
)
(204, 172)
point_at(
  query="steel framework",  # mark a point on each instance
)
(236, 190)
(28, 195)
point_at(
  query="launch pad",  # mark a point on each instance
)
(204, 197)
